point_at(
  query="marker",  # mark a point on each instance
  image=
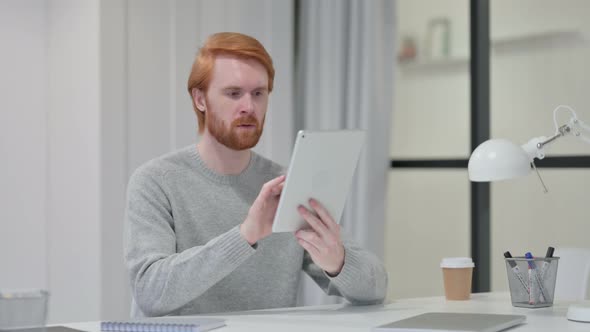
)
(550, 251)
(546, 263)
(545, 266)
(531, 288)
(533, 268)
(516, 270)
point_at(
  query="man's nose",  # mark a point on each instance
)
(247, 104)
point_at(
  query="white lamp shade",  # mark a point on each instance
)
(498, 159)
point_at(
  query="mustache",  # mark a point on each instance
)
(248, 120)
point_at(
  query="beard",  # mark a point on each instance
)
(232, 136)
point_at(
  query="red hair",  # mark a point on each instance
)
(225, 43)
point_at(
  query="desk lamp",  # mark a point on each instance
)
(500, 159)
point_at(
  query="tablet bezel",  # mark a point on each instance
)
(319, 155)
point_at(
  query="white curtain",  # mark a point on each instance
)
(345, 81)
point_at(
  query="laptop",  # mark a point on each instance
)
(451, 321)
(322, 167)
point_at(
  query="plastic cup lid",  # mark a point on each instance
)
(456, 262)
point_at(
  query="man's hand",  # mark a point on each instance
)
(322, 241)
(258, 223)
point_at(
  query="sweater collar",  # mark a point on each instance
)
(221, 178)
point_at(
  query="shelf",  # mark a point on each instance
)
(539, 39)
(521, 42)
(438, 63)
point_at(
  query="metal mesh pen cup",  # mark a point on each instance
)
(23, 309)
(532, 281)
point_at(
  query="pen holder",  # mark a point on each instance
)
(23, 310)
(532, 281)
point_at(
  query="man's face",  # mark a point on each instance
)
(236, 102)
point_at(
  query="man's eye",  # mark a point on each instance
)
(258, 93)
(234, 94)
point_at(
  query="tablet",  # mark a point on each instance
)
(322, 167)
(451, 321)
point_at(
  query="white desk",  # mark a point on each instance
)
(343, 318)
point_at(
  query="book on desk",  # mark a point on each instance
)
(164, 324)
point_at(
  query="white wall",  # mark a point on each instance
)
(89, 91)
(115, 292)
(74, 216)
(431, 102)
(50, 208)
(424, 225)
(428, 214)
(23, 144)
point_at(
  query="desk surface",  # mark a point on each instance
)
(344, 318)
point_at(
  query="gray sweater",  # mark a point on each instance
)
(185, 255)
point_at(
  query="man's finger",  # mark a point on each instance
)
(269, 187)
(324, 215)
(312, 238)
(278, 189)
(276, 181)
(312, 220)
(313, 251)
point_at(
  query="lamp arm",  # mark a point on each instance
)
(561, 131)
(578, 126)
(535, 147)
(575, 125)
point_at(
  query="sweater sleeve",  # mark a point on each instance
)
(362, 281)
(163, 280)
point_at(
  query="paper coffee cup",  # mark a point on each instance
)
(457, 275)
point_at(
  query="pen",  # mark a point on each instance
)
(533, 268)
(546, 263)
(516, 270)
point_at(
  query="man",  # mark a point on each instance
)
(198, 222)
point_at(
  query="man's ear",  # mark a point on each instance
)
(199, 99)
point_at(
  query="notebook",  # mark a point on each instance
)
(456, 322)
(44, 329)
(164, 324)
